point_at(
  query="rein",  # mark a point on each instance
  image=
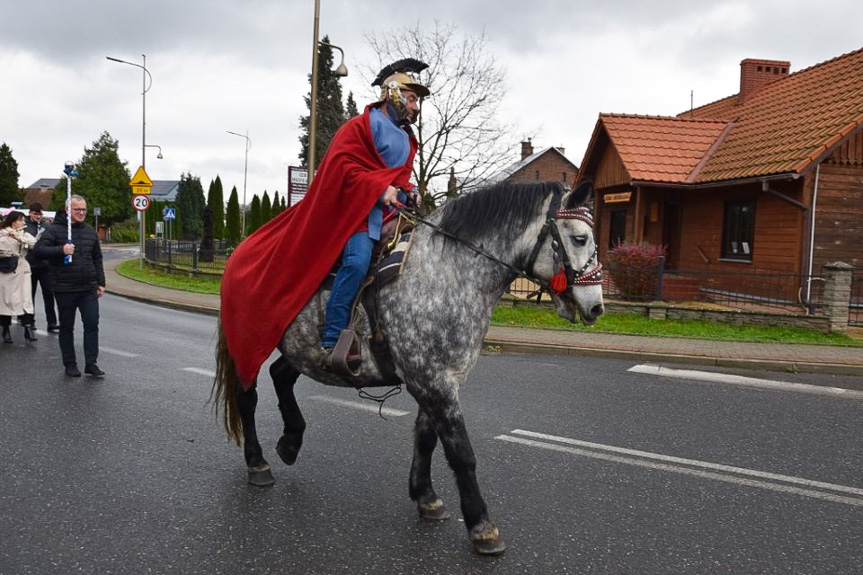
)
(565, 275)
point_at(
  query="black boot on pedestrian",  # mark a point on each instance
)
(7, 337)
(72, 370)
(52, 327)
(93, 370)
(28, 333)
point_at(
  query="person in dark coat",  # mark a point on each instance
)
(39, 272)
(78, 285)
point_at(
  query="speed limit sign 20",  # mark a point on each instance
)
(140, 203)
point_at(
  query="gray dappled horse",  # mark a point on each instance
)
(435, 317)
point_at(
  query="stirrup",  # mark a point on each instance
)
(346, 359)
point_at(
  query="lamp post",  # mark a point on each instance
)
(144, 89)
(159, 156)
(313, 103)
(245, 173)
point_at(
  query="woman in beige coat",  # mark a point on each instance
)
(16, 297)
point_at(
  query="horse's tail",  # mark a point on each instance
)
(224, 392)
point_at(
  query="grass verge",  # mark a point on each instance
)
(543, 317)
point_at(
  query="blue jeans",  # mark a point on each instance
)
(68, 303)
(356, 257)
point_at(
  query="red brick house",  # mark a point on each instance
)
(770, 178)
(548, 165)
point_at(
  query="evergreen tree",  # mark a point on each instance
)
(216, 203)
(266, 209)
(351, 106)
(277, 204)
(253, 220)
(103, 180)
(284, 206)
(190, 206)
(9, 190)
(232, 218)
(330, 110)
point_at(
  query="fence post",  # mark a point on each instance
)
(837, 294)
(195, 256)
(659, 280)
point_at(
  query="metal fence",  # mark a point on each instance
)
(855, 308)
(182, 254)
(752, 290)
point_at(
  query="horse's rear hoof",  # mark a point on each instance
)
(486, 539)
(434, 511)
(261, 476)
(287, 452)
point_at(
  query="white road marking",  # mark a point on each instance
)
(726, 476)
(745, 381)
(200, 371)
(373, 408)
(121, 353)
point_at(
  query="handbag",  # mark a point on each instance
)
(8, 264)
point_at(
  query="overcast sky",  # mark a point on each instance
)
(236, 65)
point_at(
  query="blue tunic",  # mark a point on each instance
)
(393, 145)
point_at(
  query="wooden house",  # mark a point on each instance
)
(770, 178)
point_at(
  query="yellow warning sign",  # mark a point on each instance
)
(141, 182)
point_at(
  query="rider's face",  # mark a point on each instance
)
(412, 104)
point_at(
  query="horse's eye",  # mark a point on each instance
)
(580, 241)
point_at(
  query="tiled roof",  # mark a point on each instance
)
(783, 128)
(661, 149)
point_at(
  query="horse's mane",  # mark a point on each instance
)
(472, 216)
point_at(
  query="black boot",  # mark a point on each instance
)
(7, 337)
(28, 333)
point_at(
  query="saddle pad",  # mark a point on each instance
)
(390, 267)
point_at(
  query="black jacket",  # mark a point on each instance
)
(33, 228)
(86, 271)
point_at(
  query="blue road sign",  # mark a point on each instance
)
(169, 213)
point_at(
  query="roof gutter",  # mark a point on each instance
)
(718, 184)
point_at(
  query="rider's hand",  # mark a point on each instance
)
(68, 249)
(391, 196)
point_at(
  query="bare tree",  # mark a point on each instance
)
(463, 141)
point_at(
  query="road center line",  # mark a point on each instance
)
(361, 406)
(112, 351)
(686, 471)
(745, 381)
(200, 371)
(693, 462)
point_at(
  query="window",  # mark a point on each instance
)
(617, 231)
(564, 177)
(537, 175)
(738, 230)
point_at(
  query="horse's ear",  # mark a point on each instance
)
(579, 195)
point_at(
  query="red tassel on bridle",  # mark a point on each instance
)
(559, 282)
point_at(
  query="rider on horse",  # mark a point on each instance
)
(281, 266)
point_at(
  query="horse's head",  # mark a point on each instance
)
(568, 258)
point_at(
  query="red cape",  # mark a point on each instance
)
(274, 272)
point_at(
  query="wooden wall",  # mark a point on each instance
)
(839, 220)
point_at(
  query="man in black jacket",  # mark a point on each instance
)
(78, 285)
(40, 274)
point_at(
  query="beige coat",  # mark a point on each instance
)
(15, 290)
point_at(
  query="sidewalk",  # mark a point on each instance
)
(768, 356)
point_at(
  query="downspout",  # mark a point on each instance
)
(812, 234)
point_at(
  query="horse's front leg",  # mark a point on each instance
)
(258, 468)
(429, 505)
(440, 401)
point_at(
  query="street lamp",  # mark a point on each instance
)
(313, 104)
(245, 173)
(144, 89)
(159, 156)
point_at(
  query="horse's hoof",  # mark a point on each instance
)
(287, 452)
(261, 476)
(486, 539)
(433, 511)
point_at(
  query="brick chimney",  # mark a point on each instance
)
(526, 149)
(755, 74)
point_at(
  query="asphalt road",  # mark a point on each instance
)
(586, 466)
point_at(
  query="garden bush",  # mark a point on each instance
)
(634, 268)
(125, 232)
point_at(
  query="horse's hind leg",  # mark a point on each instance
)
(259, 470)
(284, 377)
(440, 401)
(429, 505)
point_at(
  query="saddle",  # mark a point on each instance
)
(388, 258)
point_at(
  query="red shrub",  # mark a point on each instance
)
(634, 269)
